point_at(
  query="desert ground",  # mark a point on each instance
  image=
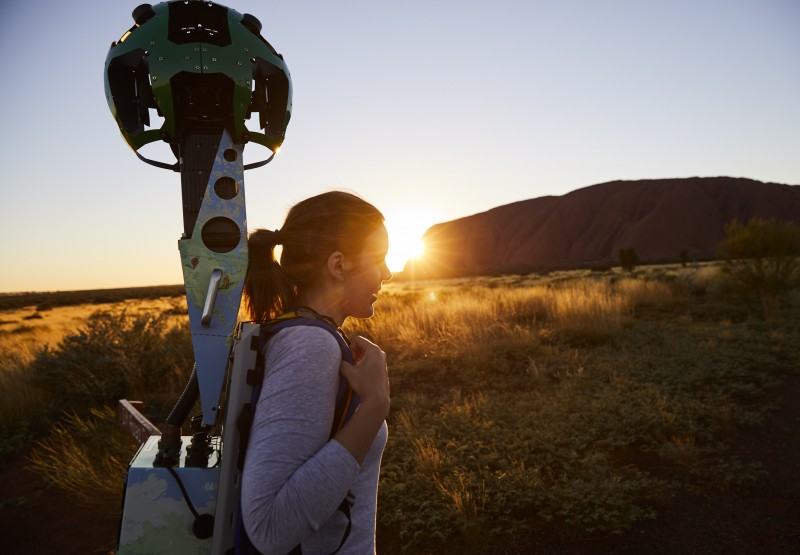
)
(630, 414)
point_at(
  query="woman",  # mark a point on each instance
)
(295, 475)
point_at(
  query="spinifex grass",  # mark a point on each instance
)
(86, 456)
(28, 333)
(563, 406)
(526, 406)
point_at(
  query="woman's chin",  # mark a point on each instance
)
(368, 312)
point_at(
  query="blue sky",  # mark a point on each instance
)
(431, 110)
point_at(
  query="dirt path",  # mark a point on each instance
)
(35, 519)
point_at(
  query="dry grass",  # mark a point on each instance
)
(590, 310)
(86, 457)
(644, 292)
(27, 329)
(24, 332)
(447, 319)
(577, 400)
(441, 319)
(466, 493)
(571, 403)
(428, 458)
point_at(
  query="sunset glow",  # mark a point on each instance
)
(406, 227)
(402, 124)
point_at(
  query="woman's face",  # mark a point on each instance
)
(368, 272)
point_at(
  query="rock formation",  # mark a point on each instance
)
(588, 227)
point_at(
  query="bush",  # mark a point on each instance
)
(115, 356)
(761, 258)
(628, 259)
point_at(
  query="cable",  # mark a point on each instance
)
(203, 526)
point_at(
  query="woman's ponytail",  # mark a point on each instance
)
(314, 228)
(268, 292)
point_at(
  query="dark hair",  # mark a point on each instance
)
(314, 228)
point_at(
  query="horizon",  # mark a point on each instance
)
(420, 262)
(486, 106)
(399, 273)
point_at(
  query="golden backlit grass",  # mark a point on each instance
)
(573, 403)
(444, 317)
(28, 328)
(644, 292)
(569, 404)
(25, 332)
(76, 441)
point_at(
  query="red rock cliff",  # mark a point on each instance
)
(657, 218)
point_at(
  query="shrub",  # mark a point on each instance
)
(115, 356)
(761, 257)
(706, 279)
(628, 259)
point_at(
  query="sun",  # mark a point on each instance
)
(406, 227)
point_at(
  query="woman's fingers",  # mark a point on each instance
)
(369, 376)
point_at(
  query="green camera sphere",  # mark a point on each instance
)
(204, 68)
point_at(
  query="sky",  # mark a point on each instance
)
(431, 110)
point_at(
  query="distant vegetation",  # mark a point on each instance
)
(46, 300)
(628, 259)
(761, 259)
(525, 408)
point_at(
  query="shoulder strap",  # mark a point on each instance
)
(274, 326)
(346, 403)
(346, 400)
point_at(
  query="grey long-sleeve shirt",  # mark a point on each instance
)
(294, 477)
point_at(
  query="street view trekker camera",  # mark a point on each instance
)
(203, 71)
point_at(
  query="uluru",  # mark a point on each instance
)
(658, 218)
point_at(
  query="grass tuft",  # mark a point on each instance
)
(87, 458)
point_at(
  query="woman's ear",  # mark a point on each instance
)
(338, 265)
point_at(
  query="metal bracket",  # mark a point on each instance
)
(211, 297)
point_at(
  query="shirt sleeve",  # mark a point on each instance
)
(294, 477)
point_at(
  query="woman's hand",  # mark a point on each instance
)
(369, 377)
